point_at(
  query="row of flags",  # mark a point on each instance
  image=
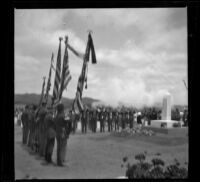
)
(63, 78)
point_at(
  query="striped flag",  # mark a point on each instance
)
(57, 75)
(42, 93)
(83, 76)
(65, 76)
(49, 81)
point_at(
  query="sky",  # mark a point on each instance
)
(141, 52)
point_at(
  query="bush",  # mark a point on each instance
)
(141, 157)
(155, 169)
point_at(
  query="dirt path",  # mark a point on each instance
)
(90, 156)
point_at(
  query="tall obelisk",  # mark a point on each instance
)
(166, 109)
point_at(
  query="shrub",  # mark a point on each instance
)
(157, 162)
(141, 157)
(155, 169)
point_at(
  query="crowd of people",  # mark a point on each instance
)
(43, 125)
(113, 119)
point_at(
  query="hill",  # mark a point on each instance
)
(23, 99)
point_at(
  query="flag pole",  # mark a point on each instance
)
(185, 84)
(57, 74)
(82, 79)
(63, 71)
(42, 93)
(49, 80)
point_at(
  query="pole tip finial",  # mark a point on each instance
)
(90, 31)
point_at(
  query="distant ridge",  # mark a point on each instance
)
(34, 99)
(22, 99)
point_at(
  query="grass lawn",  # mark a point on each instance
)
(98, 155)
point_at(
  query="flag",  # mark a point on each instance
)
(83, 76)
(80, 55)
(57, 75)
(90, 48)
(49, 81)
(42, 93)
(65, 76)
(94, 61)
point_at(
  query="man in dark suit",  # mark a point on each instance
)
(110, 118)
(41, 115)
(25, 121)
(131, 119)
(102, 121)
(31, 126)
(123, 120)
(94, 121)
(50, 128)
(63, 129)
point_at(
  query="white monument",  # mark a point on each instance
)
(165, 121)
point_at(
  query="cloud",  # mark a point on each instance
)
(141, 53)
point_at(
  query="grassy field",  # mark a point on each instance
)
(97, 155)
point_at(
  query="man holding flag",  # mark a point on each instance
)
(63, 127)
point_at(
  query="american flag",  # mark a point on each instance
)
(83, 76)
(57, 75)
(49, 81)
(65, 76)
(42, 94)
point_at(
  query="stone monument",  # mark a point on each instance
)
(165, 121)
(166, 109)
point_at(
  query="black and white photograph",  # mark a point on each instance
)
(101, 93)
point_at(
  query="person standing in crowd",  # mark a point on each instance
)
(90, 124)
(63, 128)
(36, 131)
(116, 120)
(139, 119)
(111, 119)
(41, 115)
(127, 118)
(87, 120)
(106, 118)
(32, 126)
(50, 135)
(178, 116)
(131, 119)
(153, 114)
(185, 117)
(123, 119)
(109, 115)
(83, 120)
(94, 121)
(102, 115)
(25, 125)
(73, 116)
(120, 118)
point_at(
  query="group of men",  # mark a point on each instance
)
(110, 119)
(113, 119)
(41, 126)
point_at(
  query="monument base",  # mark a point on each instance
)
(179, 131)
(163, 123)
